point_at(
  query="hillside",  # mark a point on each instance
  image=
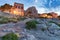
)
(7, 15)
(47, 29)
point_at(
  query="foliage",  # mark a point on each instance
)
(3, 20)
(21, 18)
(35, 21)
(55, 23)
(6, 20)
(10, 36)
(31, 25)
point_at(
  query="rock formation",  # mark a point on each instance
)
(31, 12)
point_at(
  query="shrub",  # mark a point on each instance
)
(10, 36)
(35, 21)
(30, 25)
(55, 23)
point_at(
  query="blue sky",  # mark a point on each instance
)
(41, 5)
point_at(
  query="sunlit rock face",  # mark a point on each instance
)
(18, 9)
(31, 12)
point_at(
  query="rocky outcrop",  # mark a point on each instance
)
(51, 33)
(31, 12)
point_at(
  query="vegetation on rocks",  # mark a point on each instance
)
(55, 23)
(10, 36)
(4, 20)
(31, 24)
(21, 18)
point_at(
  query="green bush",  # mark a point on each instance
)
(35, 21)
(10, 36)
(30, 25)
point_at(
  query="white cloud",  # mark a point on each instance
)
(40, 3)
(40, 6)
(46, 10)
(57, 10)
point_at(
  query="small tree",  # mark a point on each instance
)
(10, 36)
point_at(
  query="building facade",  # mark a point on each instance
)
(17, 9)
(54, 15)
(49, 15)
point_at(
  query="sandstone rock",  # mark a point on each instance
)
(31, 12)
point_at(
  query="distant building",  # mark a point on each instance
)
(59, 17)
(6, 11)
(44, 15)
(17, 9)
(0, 9)
(48, 15)
(54, 15)
(5, 8)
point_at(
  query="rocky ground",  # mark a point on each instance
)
(46, 30)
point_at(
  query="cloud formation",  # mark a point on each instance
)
(41, 5)
(48, 6)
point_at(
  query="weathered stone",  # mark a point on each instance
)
(31, 12)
